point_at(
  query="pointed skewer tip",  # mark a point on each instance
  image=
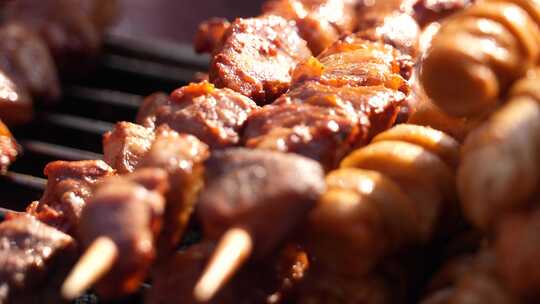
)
(96, 261)
(231, 252)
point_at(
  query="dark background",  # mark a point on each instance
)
(177, 20)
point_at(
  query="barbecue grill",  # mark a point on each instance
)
(127, 70)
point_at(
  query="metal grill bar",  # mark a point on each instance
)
(108, 97)
(26, 180)
(167, 52)
(72, 130)
(78, 123)
(57, 151)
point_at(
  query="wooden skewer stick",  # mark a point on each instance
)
(95, 262)
(232, 251)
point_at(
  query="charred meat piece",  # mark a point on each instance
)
(126, 145)
(67, 30)
(355, 61)
(9, 149)
(33, 259)
(373, 106)
(320, 22)
(215, 116)
(126, 210)
(320, 133)
(16, 105)
(210, 34)
(265, 192)
(352, 91)
(26, 59)
(257, 56)
(428, 11)
(182, 157)
(68, 189)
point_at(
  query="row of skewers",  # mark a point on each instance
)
(326, 202)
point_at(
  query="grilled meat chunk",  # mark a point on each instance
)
(320, 133)
(320, 22)
(126, 145)
(26, 59)
(33, 259)
(68, 189)
(182, 157)
(215, 116)
(128, 210)
(67, 30)
(16, 106)
(210, 34)
(352, 91)
(267, 193)
(9, 149)
(257, 56)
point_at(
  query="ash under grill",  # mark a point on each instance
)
(127, 71)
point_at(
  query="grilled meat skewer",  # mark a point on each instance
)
(252, 200)
(134, 206)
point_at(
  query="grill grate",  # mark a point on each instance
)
(127, 71)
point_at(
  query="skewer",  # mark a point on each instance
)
(95, 262)
(232, 251)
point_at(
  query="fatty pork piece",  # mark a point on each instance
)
(267, 282)
(128, 210)
(182, 157)
(126, 145)
(26, 59)
(64, 26)
(68, 189)
(34, 257)
(257, 56)
(16, 106)
(215, 116)
(9, 149)
(320, 22)
(267, 193)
